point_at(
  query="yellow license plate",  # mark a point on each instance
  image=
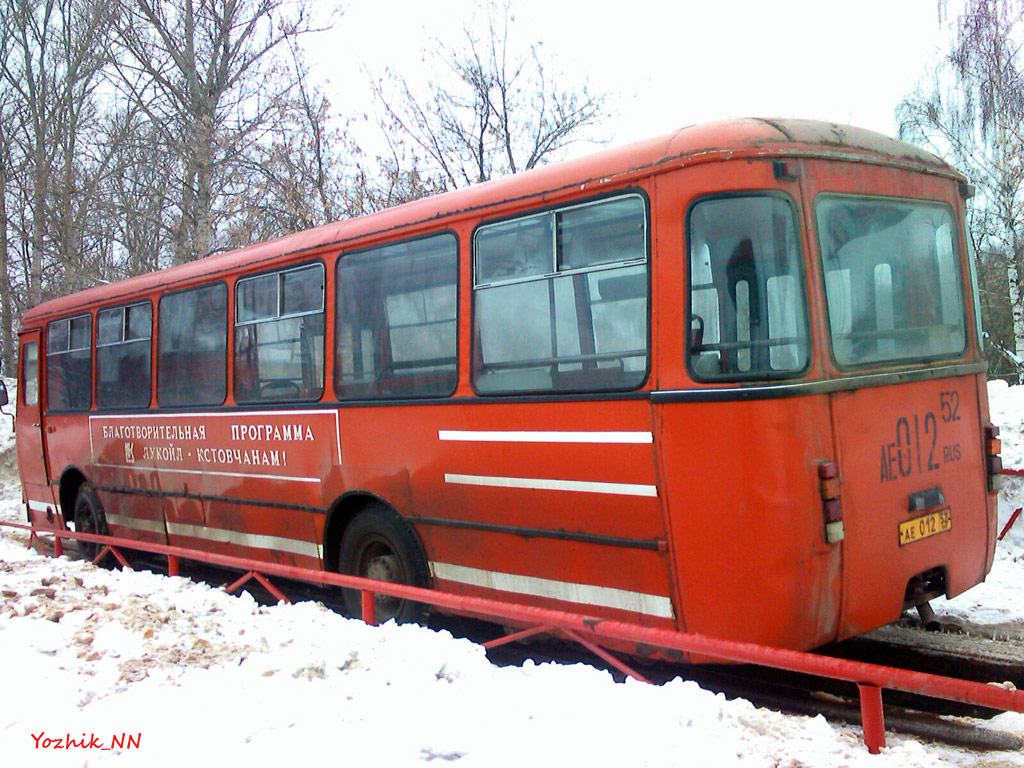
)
(925, 526)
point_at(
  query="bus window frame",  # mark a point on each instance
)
(648, 262)
(98, 346)
(228, 329)
(45, 347)
(802, 256)
(972, 268)
(234, 323)
(904, 361)
(336, 325)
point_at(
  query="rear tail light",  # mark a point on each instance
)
(831, 505)
(993, 461)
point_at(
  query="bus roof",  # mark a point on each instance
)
(708, 142)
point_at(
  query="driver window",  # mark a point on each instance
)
(30, 374)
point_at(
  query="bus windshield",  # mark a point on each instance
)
(892, 280)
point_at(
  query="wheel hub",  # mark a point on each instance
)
(383, 568)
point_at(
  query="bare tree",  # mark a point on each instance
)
(58, 49)
(295, 175)
(491, 110)
(138, 200)
(9, 359)
(972, 111)
(392, 180)
(203, 70)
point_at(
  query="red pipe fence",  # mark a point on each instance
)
(586, 630)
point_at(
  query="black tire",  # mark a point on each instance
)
(89, 518)
(378, 544)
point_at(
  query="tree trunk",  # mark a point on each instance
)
(39, 180)
(204, 188)
(1013, 278)
(10, 354)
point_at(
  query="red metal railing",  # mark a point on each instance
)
(1016, 512)
(589, 631)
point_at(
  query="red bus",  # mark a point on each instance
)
(727, 380)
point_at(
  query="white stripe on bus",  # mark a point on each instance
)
(545, 484)
(43, 506)
(584, 594)
(632, 438)
(170, 470)
(136, 523)
(254, 540)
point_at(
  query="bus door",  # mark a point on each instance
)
(915, 507)
(30, 434)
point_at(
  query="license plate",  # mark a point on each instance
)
(925, 526)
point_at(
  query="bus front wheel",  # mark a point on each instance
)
(89, 518)
(378, 544)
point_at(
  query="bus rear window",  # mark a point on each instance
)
(748, 311)
(892, 280)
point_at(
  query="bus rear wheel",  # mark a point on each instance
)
(89, 518)
(378, 544)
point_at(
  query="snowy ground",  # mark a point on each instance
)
(201, 678)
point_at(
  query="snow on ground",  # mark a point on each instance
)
(197, 676)
(1000, 600)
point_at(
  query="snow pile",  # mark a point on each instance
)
(197, 676)
(207, 677)
(1000, 600)
(1006, 410)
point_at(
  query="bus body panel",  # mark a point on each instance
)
(550, 503)
(746, 517)
(251, 479)
(578, 506)
(902, 438)
(912, 457)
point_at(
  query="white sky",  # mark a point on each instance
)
(666, 65)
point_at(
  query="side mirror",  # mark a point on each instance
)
(3, 393)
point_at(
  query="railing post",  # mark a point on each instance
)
(58, 547)
(1009, 524)
(369, 606)
(172, 565)
(37, 543)
(872, 717)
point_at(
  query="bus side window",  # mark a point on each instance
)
(279, 336)
(396, 320)
(123, 356)
(192, 347)
(69, 364)
(560, 300)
